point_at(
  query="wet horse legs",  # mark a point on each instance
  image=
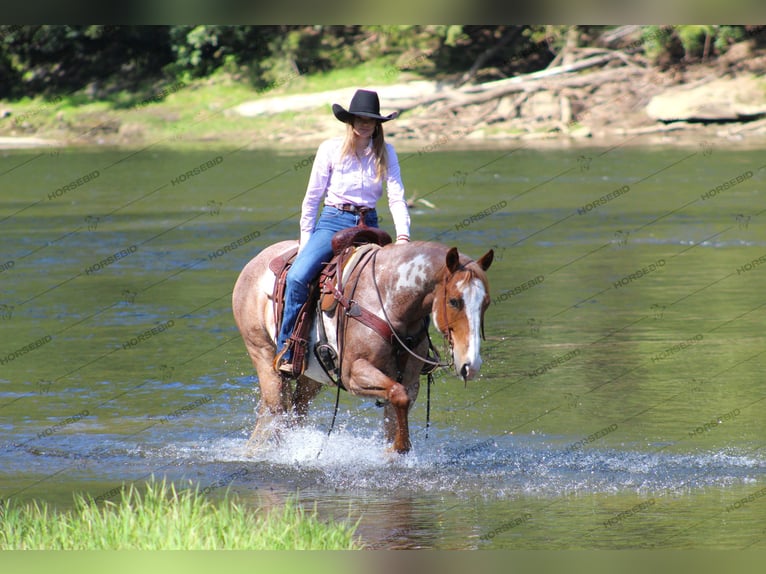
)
(368, 381)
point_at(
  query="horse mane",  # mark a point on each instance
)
(466, 263)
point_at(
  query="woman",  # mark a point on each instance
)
(349, 174)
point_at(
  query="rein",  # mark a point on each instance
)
(402, 344)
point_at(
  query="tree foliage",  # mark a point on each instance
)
(100, 60)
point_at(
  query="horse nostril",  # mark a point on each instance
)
(464, 371)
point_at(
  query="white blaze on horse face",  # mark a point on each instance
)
(469, 364)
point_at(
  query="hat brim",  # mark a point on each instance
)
(347, 117)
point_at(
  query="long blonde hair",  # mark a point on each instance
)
(378, 149)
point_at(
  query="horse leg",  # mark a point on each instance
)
(411, 382)
(305, 391)
(275, 401)
(390, 424)
(366, 380)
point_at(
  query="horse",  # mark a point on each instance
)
(404, 285)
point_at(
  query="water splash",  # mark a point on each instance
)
(504, 465)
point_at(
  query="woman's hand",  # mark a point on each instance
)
(402, 239)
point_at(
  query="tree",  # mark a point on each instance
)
(58, 59)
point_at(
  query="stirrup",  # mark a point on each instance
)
(280, 364)
(328, 358)
(286, 369)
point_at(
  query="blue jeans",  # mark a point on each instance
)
(309, 263)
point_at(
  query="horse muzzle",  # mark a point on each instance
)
(470, 370)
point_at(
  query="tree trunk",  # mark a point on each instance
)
(485, 56)
(570, 45)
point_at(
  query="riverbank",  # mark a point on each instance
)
(614, 103)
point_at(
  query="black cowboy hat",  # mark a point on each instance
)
(364, 103)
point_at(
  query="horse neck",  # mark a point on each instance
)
(415, 271)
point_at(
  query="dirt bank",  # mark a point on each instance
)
(601, 98)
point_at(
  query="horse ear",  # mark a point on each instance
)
(486, 259)
(453, 260)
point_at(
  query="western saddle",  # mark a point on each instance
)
(351, 247)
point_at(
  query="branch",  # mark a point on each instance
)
(550, 78)
(550, 72)
(487, 54)
(619, 36)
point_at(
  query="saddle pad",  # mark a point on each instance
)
(354, 259)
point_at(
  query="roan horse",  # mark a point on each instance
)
(404, 285)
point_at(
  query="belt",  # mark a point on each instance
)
(351, 208)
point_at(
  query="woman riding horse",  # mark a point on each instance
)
(402, 285)
(349, 173)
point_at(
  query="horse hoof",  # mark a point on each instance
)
(393, 449)
(258, 440)
(264, 437)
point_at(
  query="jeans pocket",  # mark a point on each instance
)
(331, 212)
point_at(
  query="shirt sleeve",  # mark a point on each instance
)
(316, 188)
(395, 190)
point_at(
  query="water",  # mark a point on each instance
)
(620, 403)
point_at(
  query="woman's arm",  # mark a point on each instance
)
(396, 201)
(315, 190)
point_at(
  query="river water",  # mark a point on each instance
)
(621, 398)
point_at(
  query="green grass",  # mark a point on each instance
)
(377, 72)
(196, 114)
(164, 518)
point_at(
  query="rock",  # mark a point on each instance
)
(722, 99)
(737, 52)
(476, 135)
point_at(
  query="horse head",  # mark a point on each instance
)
(459, 305)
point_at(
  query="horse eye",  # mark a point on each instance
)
(456, 303)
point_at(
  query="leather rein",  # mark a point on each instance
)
(384, 328)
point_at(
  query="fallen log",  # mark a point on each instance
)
(541, 80)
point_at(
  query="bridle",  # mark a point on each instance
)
(448, 329)
(446, 332)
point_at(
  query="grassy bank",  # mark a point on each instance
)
(181, 114)
(197, 114)
(164, 518)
